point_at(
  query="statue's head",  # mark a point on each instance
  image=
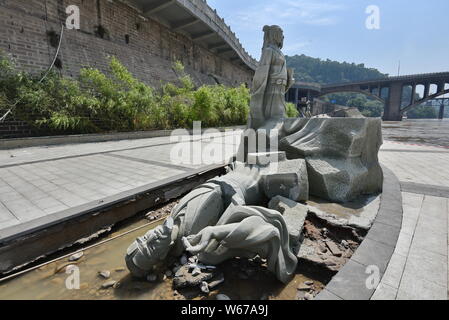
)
(149, 251)
(273, 36)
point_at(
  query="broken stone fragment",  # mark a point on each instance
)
(76, 256)
(105, 274)
(308, 296)
(196, 271)
(294, 215)
(304, 287)
(216, 281)
(204, 287)
(184, 278)
(310, 252)
(222, 297)
(108, 284)
(334, 248)
(263, 159)
(288, 179)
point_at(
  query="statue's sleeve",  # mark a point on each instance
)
(262, 71)
(259, 86)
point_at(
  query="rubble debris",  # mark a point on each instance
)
(105, 274)
(108, 284)
(204, 287)
(76, 256)
(185, 277)
(216, 281)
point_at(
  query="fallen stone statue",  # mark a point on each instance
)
(221, 219)
(227, 217)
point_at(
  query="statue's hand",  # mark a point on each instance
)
(198, 243)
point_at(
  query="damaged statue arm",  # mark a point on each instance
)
(199, 242)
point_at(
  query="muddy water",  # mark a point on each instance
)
(428, 132)
(49, 281)
(356, 208)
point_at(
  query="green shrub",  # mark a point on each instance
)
(117, 101)
(291, 110)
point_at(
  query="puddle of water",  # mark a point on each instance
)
(345, 210)
(49, 281)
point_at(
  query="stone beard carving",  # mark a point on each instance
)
(271, 81)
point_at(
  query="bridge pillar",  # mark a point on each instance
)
(296, 97)
(392, 110)
(426, 90)
(413, 99)
(441, 115)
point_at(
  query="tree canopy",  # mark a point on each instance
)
(310, 69)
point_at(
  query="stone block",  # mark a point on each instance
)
(288, 179)
(341, 155)
(294, 215)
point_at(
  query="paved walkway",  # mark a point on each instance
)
(41, 181)
(418, 269)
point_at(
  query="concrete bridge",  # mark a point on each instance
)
(391, 91)
(196, 19)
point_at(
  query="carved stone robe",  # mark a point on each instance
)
(269, 87)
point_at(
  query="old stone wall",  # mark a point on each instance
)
(29, 31)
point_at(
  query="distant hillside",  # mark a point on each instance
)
(327, 71)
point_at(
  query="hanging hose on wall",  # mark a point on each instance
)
(3, 118)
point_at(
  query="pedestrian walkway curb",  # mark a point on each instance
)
(359, 277)
(15, 143)
(24, 243)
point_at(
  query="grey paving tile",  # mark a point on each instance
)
(434, 224)
(404, 243)
(395, 270)
(383, 233)
(434, 207)
(409, 225)
(351, 282)
(5, 214)
(384, 292)
(326, 295)
(47, 203)
(413, 288)
(55, 209)
(426, 239)
(427, 265)
(373, 253)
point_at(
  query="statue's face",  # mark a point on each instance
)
(281, 40)
(150, 250)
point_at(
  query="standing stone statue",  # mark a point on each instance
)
(271, 81)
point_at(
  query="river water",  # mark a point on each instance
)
(426, 132)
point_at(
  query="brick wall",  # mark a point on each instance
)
(144, 46)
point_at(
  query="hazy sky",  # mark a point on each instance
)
(414, 32)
